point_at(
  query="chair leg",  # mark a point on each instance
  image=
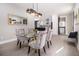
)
(28, 40)
(48, 44)
(17, 42)
(20, 45)
(28, 49)
(44, 49)
(39, 52)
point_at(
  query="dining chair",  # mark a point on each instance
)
(39, 43)
(20, 32)
(21, 38)
(49, 37)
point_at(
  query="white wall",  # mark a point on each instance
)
(55, 24)
(30, 21)
(76, 25)
(70, 23)
(7, 31)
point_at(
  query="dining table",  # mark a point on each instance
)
(32, 35)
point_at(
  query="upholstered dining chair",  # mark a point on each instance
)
(47, 39)
(20, 32)
(50, 37)
(21, 38)
(39, 43)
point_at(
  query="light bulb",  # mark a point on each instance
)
(33, 14)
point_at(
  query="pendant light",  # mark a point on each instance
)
(34, 12)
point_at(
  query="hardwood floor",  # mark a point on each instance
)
(59, 47)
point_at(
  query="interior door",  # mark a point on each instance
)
(62, 25)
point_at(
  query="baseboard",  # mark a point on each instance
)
(7, 41)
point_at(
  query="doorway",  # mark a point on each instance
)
(62, 25)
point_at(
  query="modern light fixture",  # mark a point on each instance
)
(33, 12)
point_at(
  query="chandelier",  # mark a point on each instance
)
(33, 12)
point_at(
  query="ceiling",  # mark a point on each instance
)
(56, 8)
(48, 8)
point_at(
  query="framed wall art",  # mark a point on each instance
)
(14, 19)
